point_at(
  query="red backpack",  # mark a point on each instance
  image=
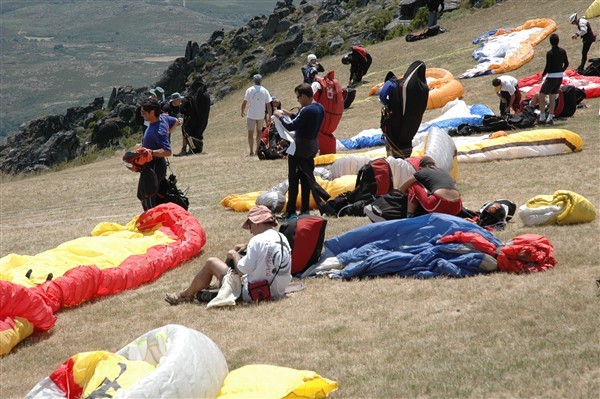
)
(305, 235)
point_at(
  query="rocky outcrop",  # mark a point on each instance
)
(225, 62)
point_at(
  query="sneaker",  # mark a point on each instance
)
(287, 216)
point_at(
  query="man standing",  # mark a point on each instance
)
(313, 67)
(556, 63)
(584, 31)
(301, 164)
(435, 7)
(172, 107)
(508, 91)
(156, 140)
(258, 100)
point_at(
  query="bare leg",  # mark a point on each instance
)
(212, 267)
(258, 138)
(251, 141)
(534, 101)
(542, 100)
(551, 105)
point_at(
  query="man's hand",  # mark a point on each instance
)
(240, 248)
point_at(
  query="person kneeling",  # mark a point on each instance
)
(266, 258)
(431, 188)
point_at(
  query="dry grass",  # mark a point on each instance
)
(489, 336)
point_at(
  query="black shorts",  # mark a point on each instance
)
(551, 86)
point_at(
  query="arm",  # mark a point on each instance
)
(565, 61)
(406, 185)
(243, 107)
(269, 111)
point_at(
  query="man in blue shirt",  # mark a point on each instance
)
(301, 164)
(157, 139)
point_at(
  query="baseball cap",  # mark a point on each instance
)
(573, 18)
(257, 79)
(259, 214)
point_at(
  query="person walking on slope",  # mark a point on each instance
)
(301, 164)
(584, 31)
(258, 100)
(556, 63)
(508, 91)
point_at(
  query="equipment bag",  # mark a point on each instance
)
(168, 192)
(373, 180)
(305, 235)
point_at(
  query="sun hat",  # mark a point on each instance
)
(257, 79)
(259, 214)
(311, 57)
(573, 18)
(176, 96)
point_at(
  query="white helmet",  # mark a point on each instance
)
(311, 57)
(573, 18)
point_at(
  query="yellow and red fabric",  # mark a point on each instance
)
(115, 258)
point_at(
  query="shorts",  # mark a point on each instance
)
(551, 86)
(253, 124)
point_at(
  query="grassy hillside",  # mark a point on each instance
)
(62, 54)
(488, 336)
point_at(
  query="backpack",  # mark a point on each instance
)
(306, 236)
(593, 69)
(373, 180)
(389, 206)
(493, 123)
(523, 120)
(168, 192)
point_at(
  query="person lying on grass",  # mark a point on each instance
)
(267, 256)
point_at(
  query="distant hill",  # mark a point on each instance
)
(62, 53)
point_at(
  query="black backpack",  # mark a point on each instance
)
(373, 180)
(168, 192)
(524, 119)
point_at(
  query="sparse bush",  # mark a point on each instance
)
(398, 31)
(488, 3)
(377, 22)
(420, 19)
(100, 113)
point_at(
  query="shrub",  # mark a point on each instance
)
(377, 22)
(420, 19)
(488, 3)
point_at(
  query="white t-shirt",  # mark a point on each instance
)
(508, 83)
(257, 97)
(263, 257)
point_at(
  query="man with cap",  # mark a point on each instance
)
(267, 256)
(309, 73)
(172, 106)
(258, 100)
(584, 31)
(507, 89)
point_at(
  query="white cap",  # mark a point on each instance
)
(311, 57)
(573, 18)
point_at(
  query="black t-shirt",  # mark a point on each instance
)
(434, 179)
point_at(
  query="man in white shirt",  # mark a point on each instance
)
(266, 257)
(258, 100)
(508, 90)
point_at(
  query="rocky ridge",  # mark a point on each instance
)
(225, 62)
